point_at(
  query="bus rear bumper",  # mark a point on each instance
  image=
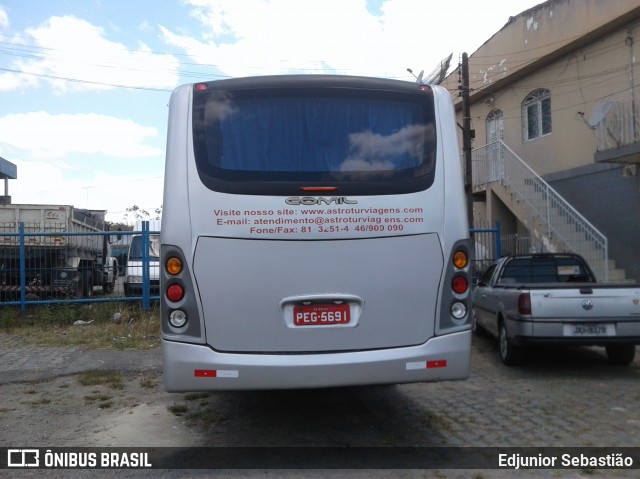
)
(195, 367)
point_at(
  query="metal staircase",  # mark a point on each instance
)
(554, 225)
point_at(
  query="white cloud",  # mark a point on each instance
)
(278, 36)
(4, 19)
(45, 135)
(256, 37)
(115, 193)
(71, 48)
(10, 81)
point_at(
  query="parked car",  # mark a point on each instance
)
(555, 299)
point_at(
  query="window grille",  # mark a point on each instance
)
(536, 114)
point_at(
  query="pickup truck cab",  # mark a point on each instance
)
(555, 299)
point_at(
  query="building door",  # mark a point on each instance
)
(495, 133)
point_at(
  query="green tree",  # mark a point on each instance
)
(135, 213)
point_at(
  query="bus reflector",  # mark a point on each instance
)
(439, 363)
(436, 363)
(215, 373)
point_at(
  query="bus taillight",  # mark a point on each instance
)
(173, 266)
(460, 259)
(178, 318)
(175, 293)
(459, 285)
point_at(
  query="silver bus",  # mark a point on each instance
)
(314, 234)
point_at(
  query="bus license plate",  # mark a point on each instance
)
(321, 314)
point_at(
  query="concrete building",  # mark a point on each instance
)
(8, 171)
(557, 90)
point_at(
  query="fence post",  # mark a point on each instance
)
(23, 271)
(146, 290)
(498, 241)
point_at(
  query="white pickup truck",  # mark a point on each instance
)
(554, 299)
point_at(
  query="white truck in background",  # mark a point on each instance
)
(134, 269)
(55, 264)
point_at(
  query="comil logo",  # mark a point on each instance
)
(23, 458)
(319, 200)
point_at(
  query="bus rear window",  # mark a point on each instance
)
(268, 142)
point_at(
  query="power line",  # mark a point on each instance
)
(76, 80)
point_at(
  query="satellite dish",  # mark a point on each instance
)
(439, 73)
(602, 110)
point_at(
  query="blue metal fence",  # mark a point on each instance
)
(66, 267)
(487, 244)
(50, 267)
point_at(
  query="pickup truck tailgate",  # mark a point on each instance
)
(585, 303)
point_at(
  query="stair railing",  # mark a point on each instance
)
(565, 229)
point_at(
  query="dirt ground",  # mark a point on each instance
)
(132, 414)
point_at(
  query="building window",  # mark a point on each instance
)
(536, 114)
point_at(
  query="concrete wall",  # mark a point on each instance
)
(610, 193)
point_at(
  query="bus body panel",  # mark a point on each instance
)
(247, 311)
(249, 259)
(191, 367)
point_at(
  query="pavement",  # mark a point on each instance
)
(571, 397)
(559, 397)
(20, 362)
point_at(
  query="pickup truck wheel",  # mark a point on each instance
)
(621, 354)
(509, 353)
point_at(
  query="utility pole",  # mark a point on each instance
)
(466, 137)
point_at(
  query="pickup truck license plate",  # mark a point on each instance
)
(589, 329)
(321, 314)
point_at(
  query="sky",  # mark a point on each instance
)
(84, 84)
